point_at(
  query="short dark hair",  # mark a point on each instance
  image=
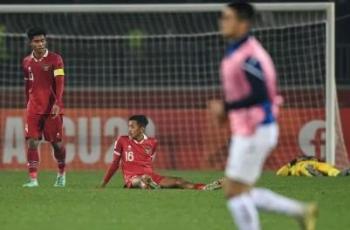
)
(140, 119)
(35, 31)
(244, 10)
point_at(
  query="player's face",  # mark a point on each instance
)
(38, 44)
(135, 130)
(231, 26)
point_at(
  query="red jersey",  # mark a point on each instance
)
(44, 82)
(135, 157)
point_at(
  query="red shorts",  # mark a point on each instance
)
(38, 125)
(155, 177)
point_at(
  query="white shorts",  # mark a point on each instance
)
(247, 154)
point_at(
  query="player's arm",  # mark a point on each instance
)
(58, 72)
(305, 169)
(115, 163)
(27, 82)
(217, 111)
(154, 153)
(275, 98)
(327, 169)
(283, 171)
(258, 93)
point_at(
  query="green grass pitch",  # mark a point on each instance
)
(82, 206)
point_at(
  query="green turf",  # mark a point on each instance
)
(81, 206)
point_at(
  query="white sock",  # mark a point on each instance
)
(267, 200)
(244, 212)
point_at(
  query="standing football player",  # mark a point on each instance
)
(44, 84)
(250, 103)
(135, 153)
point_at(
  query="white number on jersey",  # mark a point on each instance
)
(129, 156)
(31, 75)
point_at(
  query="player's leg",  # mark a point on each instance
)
(33, 132)
(53, 134)
(242, 171)
(155, 181)
(267, 200)
(60, 156)
(214, 185)
(178, 182)
(142, 182)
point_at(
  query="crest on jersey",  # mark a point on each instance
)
(148, 150)
(45, 67)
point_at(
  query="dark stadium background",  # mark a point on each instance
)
(342, 34)
(342, 46)
(82, 206)
(342, 31)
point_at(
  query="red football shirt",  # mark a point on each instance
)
(40, 76)
(135, 157)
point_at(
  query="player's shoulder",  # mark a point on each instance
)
(122, 139)
(152, 140)
(54, 55)
(258, 50)
(26, 59)
(239, 52)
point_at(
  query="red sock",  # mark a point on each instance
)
(60, 156)
(199, 186)
(33, 161)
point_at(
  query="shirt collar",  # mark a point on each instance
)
(140, 142)
(45, 55)
(233, 46)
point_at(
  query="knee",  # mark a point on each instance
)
(33, 143)
(137, 182)
(179, 181)
(234, 188)
(57, 146)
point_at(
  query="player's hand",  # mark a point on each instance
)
(55, 111)
(217, 111)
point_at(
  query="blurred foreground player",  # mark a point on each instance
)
(135, 153)
(44, 83)
(250, 104)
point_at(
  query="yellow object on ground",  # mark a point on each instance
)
(307, 166)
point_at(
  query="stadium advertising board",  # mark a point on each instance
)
(90, 135)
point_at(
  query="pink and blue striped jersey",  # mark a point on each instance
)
(248, 79)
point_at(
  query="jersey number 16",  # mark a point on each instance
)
(129, 156)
